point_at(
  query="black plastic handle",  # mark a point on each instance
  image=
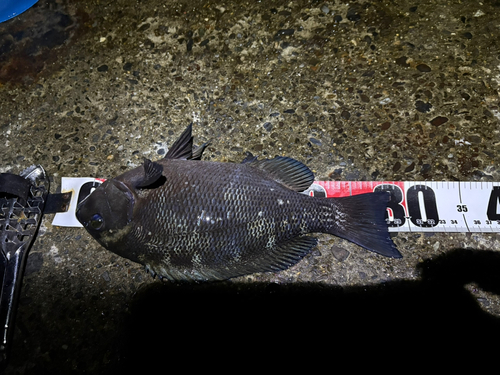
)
(22, 201)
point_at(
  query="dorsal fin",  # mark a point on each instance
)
(198, 151)
(287, 171)
(183, 146)
(249, 158)
(152, 173)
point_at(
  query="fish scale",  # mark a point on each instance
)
(189, 219)
(218, 239)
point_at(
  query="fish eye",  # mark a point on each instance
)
(96, 222)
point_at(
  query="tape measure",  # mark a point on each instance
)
(415, 206)
(428, 206)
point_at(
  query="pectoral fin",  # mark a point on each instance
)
(152, 173)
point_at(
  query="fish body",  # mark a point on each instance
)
(188, 219)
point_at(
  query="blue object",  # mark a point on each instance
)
(12, 8)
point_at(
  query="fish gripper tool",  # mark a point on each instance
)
(22, 201)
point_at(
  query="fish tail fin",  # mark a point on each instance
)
(361, 219)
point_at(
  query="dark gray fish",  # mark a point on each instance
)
(187, 219)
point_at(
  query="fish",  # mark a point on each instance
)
(186, 219)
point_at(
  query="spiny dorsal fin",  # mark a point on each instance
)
(183, 146)
(198, 151)
(152, 173)
(287, 171)
(249, 158)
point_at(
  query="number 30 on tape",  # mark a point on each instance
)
(428, 206)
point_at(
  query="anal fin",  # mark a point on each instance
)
(285, 254)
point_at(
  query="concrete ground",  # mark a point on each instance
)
(361, 90)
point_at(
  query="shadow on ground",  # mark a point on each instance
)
(169, 328)
(211, 322)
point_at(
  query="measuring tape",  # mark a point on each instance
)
(416, 206)
(428, 206)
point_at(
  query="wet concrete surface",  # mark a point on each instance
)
(361, 90)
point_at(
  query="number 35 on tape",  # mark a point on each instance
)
(428, 206)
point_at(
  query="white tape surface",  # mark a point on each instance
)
(79, 187)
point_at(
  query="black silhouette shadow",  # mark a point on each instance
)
(222, 321)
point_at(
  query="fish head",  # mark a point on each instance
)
(106, 213)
